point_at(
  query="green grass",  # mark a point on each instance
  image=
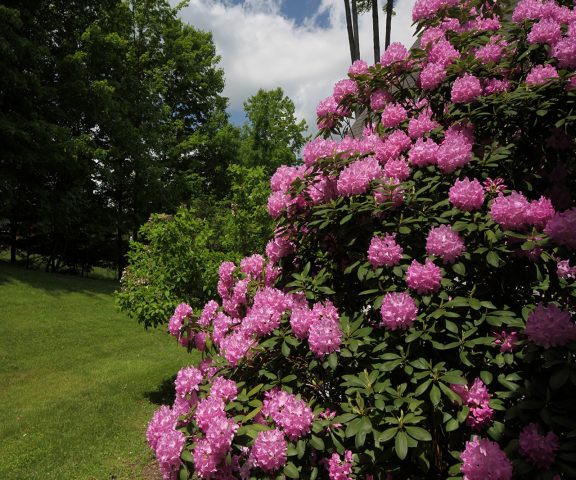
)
(78, 380)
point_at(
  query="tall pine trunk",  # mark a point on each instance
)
(355, 27)
(351, 42)
(389, 11)
(376, 30)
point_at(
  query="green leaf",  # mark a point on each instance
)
(186, 455)
(492, 258)
(317, 443)
(291, 471)
(452, 425)
(401, 445)
(459, 269)
(435, 395)
(419, 434)
(388, 434)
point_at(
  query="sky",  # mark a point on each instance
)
(298, 45)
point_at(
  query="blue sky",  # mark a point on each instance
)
(298, 45)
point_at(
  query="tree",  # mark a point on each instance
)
(104, 109)
(414, 316)
(226, 215)
(272, 136)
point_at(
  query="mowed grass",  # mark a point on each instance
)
(78, 380)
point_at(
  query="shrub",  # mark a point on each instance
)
(413, 317)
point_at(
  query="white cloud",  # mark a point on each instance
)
(262, 49)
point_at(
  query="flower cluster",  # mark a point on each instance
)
(483, 459)
(478, 399)
(548, 326)
(539, 449)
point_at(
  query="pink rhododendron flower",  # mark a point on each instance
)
(565, 52)
(539, 212)
(442, 53)
(527, 10)
(235, 347)
(359, 67)
(424, 278)
(253, 266)
(278, 248)
(325, 335)
(393, 115)
(510, 211)
(495, 85)
(564, 269)
(506, 340)
(188, 380)
(455, 151)
(477, 399)
(223, 388)
(540, 450)
(208, 313)
(168, 450)
(424, 9)
(432, 75)
(418, 126)
(546, 30)
(431, 35)
(356, 177)
(269, 450)
(396, 52)
(220, 434)
(384, 251)
(328, 112)
(266, 312)
(483, 459)
(445, 243)
(317, 149)
(398, 311)
(397, 168)
(392, 146)
(344, 88)
(467, 195)
(550, 327)
(489, 53)
(540, 74)
(423, 152)
(300, 320)
(205, 459)
(177, 320)
(379, 99)
(208, 409)
(494, 186)
(339, 469)
(283, 178)
(226, 278)
(561, 228)
(465, 89)
(162, 421)
(294, 416)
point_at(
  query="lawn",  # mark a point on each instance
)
(78, 380)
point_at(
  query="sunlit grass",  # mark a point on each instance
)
(78, 380)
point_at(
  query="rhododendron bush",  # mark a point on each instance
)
(412, 318)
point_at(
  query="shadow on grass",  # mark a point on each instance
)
(164, 394)
(55, 283)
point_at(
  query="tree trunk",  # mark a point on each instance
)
(376, 30)
(355, 27)
(351, 41)
(389, 11)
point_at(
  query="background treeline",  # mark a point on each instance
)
(113, 110)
